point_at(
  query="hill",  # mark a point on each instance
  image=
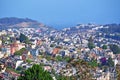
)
(13, 22)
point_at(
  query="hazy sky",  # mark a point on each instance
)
(63, 12)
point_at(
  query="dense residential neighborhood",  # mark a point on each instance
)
(82, 52)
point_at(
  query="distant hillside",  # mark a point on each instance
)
(14, 22)
(112, 28)
(112, 31)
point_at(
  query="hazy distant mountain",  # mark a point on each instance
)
(14, 22)
(112, 28)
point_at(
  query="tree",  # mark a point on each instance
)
(60, 77)
(59, 58)
(20, 52)
(91, 45)
(93, 63)
(83, 69)
(20, 68)
(23, 38)
(110, 62)
(0, 67)
(28, 61)
(52, 45)
(118, 75)
(104, 47)
(118, 71)
(36, 72)
(90, 39)
(67, 59)
(115, 48)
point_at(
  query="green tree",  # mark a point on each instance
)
(110, 62)
(36, 72)
(61, 77)
(115, 48)
(20, 52)
(91, 45)
(23, 38)
(19, 68)
(52, 45)
(104, 47)
(59, 58)
(28, 61)
(93, 63)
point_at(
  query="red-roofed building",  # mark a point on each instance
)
(56, 50)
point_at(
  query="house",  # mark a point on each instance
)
(110, 53)
(13, 48)
(3, 68)
(1, 55)
(12, 74)
(3, 32)
(47, 68)
(55, 51)
(18, 63)
(13, 62)
(105, 76)
(0, 42)
(21, 45)
(26, 54)
(118, 59)
(6, 50)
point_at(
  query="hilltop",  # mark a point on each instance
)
(13, 22)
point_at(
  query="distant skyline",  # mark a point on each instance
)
(63, 13)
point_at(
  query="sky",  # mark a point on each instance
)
(63, 13)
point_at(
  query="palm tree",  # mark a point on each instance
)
(118, 71)
(83, 69)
